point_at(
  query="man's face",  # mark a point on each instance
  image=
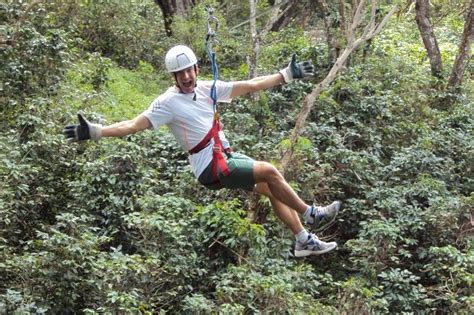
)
(186, 79)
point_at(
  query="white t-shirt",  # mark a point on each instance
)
(189, 118)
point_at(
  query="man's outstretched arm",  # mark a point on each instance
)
(256, 84)
(86, 130)
(293, 71)
(126, 127)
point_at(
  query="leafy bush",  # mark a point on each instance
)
(34, 59)
(402, 292)
(278, 290)
(117, 30)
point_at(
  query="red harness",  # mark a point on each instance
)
(218, 159)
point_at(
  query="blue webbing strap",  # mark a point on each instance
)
(212, 55)
(215, 75)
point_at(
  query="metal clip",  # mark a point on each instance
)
(212, 24)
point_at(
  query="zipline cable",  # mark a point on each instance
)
(268, 10)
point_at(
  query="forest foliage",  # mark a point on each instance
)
(121, 225)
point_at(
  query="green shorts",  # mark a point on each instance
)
(241, 174)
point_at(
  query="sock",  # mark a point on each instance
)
(302, 236)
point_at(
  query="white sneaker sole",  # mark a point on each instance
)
(306, 252)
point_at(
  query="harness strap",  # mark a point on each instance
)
(218, 159)
(218, 151)
(204, 143)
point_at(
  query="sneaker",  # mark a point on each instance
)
(322, 216)
(313, 246)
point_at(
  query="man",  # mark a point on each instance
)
(188, 110)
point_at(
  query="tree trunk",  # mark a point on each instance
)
(170, 8)
(428, 36)
(255, 40)
(333, 50)
(464, 50)
(285, 18)
(342, 17)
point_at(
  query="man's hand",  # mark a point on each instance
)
(84, 131)
(297, 70)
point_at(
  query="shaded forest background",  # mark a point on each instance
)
(120, 226)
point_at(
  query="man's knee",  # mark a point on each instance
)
(266, 171)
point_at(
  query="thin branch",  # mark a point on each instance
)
(339, 64)
(234, 252)
(261, 14)
(275, 17)
(384, 21)
(357, 18)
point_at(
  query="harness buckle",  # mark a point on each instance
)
(216, 148)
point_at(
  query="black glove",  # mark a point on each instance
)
(296, 70)
(84, 131)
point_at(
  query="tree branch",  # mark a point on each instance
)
(340, 62)
(464, 55)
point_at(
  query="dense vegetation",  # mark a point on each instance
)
(121, 226)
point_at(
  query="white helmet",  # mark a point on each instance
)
(179, 57)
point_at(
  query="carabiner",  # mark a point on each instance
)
(212, 24)
(210, 20)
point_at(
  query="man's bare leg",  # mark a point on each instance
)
(306, 244)
(280, 190)
(283, 212)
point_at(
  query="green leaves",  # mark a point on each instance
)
(402, 292)
(230, 232)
